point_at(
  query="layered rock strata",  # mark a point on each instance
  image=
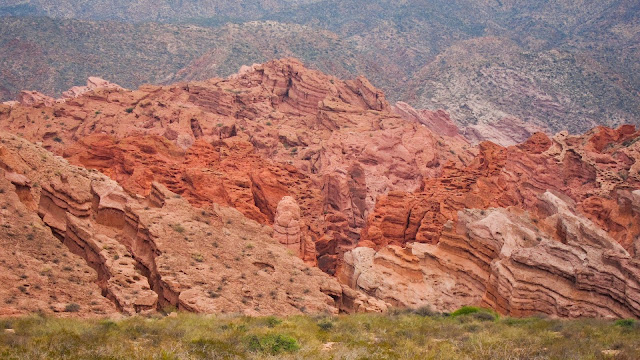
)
(597, 170)
(148, 253)
(379, 194)
(560, 264)
(273, 130)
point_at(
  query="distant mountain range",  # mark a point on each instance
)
(557, 64)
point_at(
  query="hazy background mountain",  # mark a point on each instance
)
(51, 55)
(561, 64)
(145, 10)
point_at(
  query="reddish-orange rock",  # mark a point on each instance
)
(34, 98)
(93, 83)
(599, 182)
(559, 263)
(333, 167)
(114, 251)
(272, 130)
(437, 121)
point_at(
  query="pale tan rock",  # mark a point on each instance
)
(506, 131)
(287, 226)
(34, 98)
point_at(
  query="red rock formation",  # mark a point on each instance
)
(272, 130)
(506, 131)
(351, 173)
(561, 265)
(148, 253)
(37, 273)
(93, 83)
(286, 226)
(437, 121)
(515, 176)
(34, 98)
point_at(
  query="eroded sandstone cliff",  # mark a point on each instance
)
(227, 195)
(143, 253)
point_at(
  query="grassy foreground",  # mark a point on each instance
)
(406, 335)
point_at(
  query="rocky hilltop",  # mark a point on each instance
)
(217, 192)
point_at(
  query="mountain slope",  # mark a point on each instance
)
(143, 11)
(558, 64)
(51, 56)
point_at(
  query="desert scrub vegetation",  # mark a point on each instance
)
(397, 335)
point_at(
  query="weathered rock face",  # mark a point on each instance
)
(560, 264)
(437, 121)
(515, 176)
(507, 131)
(37, 273)
(272, 130)
(34, 98)
(148, 253)
(93, 83)
(37, 99)
(286, 225)
(348, 183)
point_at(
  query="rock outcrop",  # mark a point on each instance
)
(37, 99)
(93, 83)
(34, 98)
(273, 130)
(151, 252)
(437, 121)
(515, 176)
(286, 225)
(560, 264)
(289, 169)
(506, 131)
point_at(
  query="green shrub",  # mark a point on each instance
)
(466, 310)
(626, 323)
(399, 311)
(484, 316)
(129, 110)
(272, 344)
(325, 324)
(272, 321)
(424, 311)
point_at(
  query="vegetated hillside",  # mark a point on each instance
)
(258, 42)
(560, 64)
(489, 78)
(53, 55)
(146, 10)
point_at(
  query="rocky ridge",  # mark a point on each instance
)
(272, 130)
(393, 201)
